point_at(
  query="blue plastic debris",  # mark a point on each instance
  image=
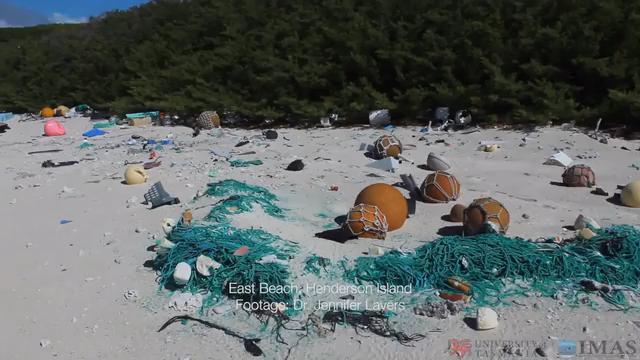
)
(5, 116)
(93, 132)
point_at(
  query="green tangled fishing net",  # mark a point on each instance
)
(235, 187)
(241, 199)
(498, 267)
(316, 265)
(218, 239)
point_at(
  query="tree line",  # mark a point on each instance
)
(508, 61)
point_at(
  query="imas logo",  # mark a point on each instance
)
(594, 348)
(567, 348)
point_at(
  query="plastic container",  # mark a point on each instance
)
(182, 273)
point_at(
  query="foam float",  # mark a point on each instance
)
(440, 187)
(436, 162)
(387, 199)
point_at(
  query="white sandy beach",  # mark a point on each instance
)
(63, 285)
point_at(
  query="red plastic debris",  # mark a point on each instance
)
(242, 250)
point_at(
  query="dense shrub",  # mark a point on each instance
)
(506, 60)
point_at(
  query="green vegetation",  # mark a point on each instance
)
(505, 60)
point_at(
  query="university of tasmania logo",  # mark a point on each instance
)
(459, 347)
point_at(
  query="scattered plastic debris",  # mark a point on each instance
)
(182, 273)
(93, 133)
(86, 144)
(436, 162)
(43, 151)
(241, 251)
(379, 118)
(559, 159)
(157, 196)
(271, 259)
(51, 164)
(244, 163)
(387, 164)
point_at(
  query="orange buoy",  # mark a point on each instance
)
(440, 187)
(389, 200)
(485, 211)
(457, 213)
(387, 146)
(47, 112)
(579, 176)
(367, 221)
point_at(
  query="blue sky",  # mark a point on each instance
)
(73, 10)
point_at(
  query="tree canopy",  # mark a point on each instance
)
(505, 60)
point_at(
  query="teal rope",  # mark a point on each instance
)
(495, 263)
(216, 238)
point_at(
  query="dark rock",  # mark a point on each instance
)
(543, 350)
(600, 191)
(270, 134)
(242, 143)
(296, 165)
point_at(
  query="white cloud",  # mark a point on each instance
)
(4, 24)
(60, 18)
